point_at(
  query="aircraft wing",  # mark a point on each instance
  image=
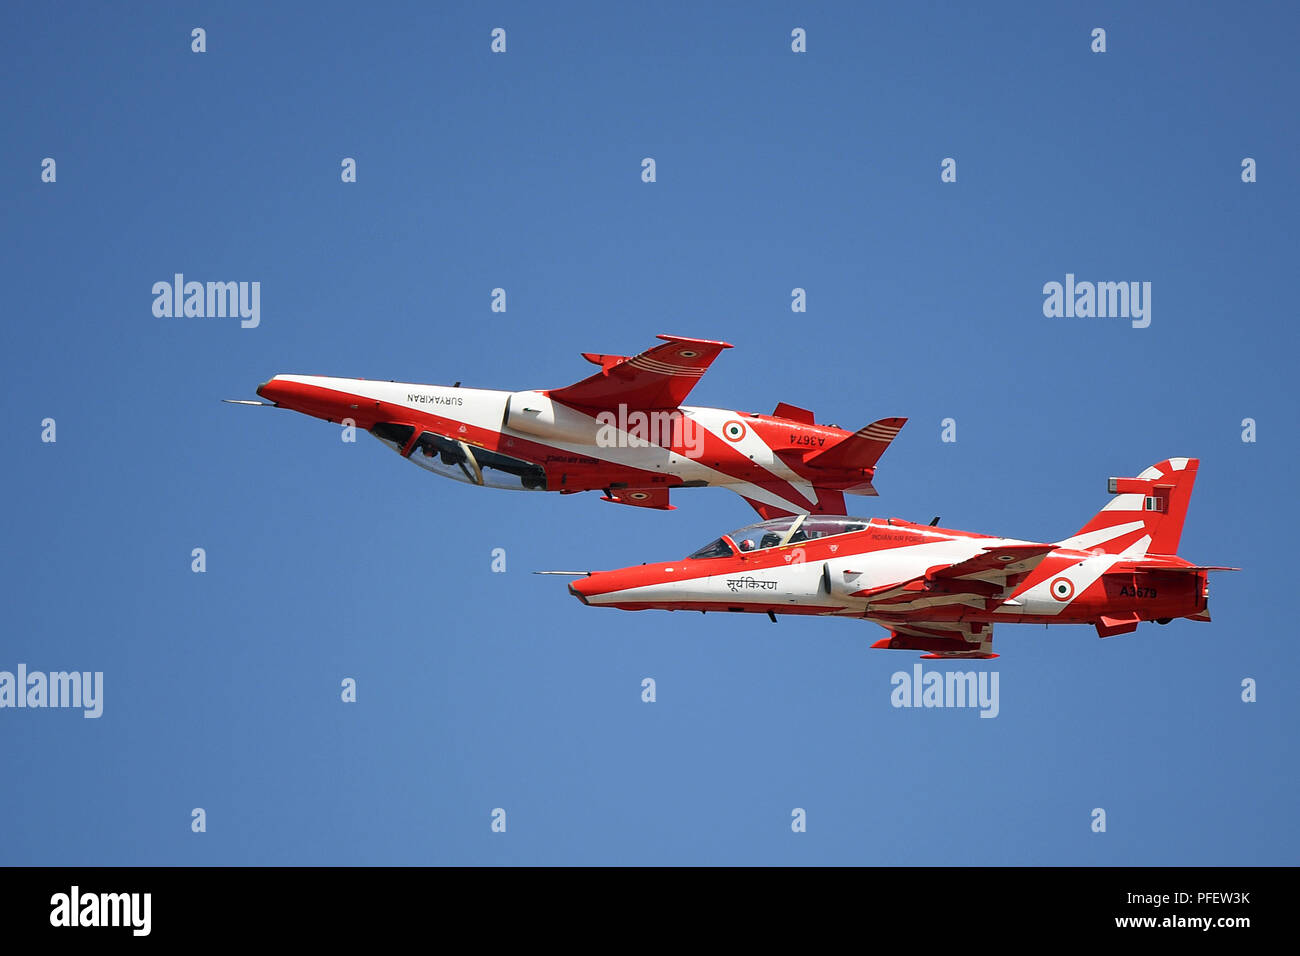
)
(939, 638)
(983, 581)
(999, 562)
(660, 377)
(656, 498)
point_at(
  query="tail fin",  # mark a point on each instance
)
(862, 449)
(1146, 514)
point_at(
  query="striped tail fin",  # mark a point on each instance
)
(1146, 514)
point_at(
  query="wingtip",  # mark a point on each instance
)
(683, 338)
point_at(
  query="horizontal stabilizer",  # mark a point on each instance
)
(606, 362)
(862, 449)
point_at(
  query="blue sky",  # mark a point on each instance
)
(775, 170)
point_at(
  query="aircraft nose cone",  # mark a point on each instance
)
(269, 389)
(580, 589)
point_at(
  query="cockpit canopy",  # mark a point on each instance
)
(779, 531)
(459, 460)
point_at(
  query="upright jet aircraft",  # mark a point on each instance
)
(937, 590)
(623, 431)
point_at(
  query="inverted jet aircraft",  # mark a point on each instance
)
(622, 431)
(937, 590)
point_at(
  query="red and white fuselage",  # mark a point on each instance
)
(937, 589)
(622, 432)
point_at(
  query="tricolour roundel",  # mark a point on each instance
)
(688, 353)
(733, 431)
(638, 496)
(1062, 589)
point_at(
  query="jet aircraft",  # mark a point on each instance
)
(938, 590)
(622, 431)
